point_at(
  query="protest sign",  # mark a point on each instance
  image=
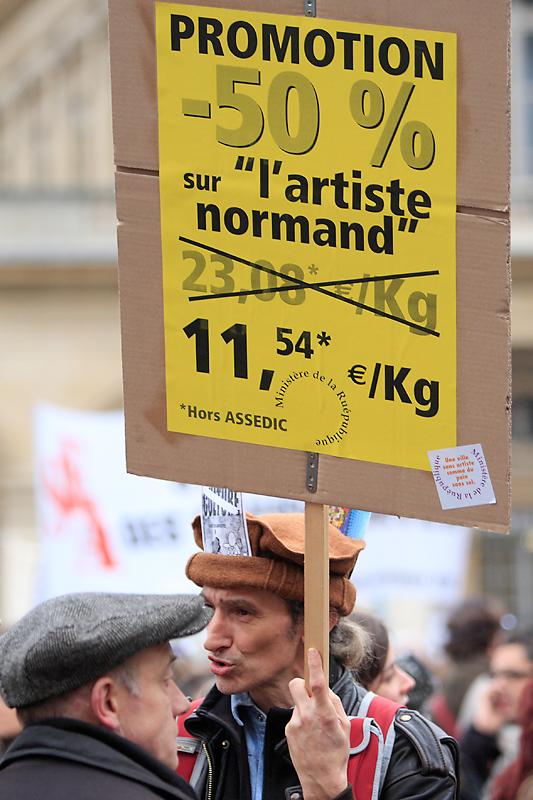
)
(313, 246)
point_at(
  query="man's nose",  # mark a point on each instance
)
(178, 702)
(217, 633)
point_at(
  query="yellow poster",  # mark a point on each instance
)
(307, 182)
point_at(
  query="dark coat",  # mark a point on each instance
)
(63, 759)
(423, 762)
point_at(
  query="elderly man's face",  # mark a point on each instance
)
(148, 716)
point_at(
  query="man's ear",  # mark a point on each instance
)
(104, 703)
(333, 617)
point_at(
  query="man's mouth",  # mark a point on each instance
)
(219, 667)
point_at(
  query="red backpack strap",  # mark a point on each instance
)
(187, 746)
(371, 741)
(383, 711)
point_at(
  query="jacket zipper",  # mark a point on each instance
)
(209, 772)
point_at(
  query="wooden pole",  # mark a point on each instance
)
(316, 583)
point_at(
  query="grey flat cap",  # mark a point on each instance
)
(69, 641)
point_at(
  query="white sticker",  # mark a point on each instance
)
(461, 476)
(224, 528)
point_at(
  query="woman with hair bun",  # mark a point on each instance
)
(379, 671)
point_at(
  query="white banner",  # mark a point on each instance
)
(411, 573)
(102, 529)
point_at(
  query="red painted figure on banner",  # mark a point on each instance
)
(63, 483)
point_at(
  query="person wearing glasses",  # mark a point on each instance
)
(491, 740)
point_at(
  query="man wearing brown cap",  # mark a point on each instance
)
(90, 677)
(239, 742)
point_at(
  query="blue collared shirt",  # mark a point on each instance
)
(253, 720)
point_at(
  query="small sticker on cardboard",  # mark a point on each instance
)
(224, 528)
(461, 476)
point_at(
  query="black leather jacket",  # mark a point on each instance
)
(423, 763)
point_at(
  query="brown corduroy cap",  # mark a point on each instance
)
(277, 559)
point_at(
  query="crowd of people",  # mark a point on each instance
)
(98, 713)
(482, 695)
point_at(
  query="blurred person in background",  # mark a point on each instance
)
(10, 726)
(380, 672)
(490, 743)
(474, 630)
(525, 792)
(424, 679)
(515, 782)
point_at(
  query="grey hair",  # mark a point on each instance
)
(349, 643)
(68, 703)
(126, 675)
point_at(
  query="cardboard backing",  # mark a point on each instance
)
(483, 283)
